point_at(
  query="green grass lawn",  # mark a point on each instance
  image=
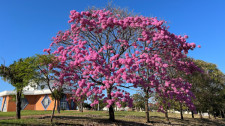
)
(27, 113)
(23, 113)
(100, 118)
(24, 122)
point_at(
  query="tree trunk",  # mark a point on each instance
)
(166, 114)
(111, 114)
(18, 104)
(58, 106)
(181, 112)
(53, 111)
(214, 115)
(192, 114)
(200, 114)
(209, 115)
(146, 106)
(81, 107)
(111, 111)
(222, 113)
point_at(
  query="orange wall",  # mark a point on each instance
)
(34, 103)
(39, 105)
(32, 100)
(11, 104)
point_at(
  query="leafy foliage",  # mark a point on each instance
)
(20, 73)
(208, 87)
(138, 101)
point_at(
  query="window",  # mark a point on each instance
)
(42, 87)
(72, 105)
(64, 103)
(46, 102)
(24, 103)
(4, 106)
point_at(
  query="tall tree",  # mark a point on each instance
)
(19, 74)
(108, 51)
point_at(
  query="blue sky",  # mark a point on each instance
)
(27, 26)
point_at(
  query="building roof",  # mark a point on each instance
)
(38, 89)
(35, 92)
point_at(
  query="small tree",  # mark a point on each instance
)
(45, 64)
(57, 95)
(19, 74)
(81, 103)
(138, 101)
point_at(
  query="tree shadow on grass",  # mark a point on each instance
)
(92, 121)
(13, 123)
(193, 122)
(64, 117)
(209, 122)
(119, 122)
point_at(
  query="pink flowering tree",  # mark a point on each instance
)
(177, 88)
(103, 52)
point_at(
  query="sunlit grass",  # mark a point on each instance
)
(31, 121)
(27, 113)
